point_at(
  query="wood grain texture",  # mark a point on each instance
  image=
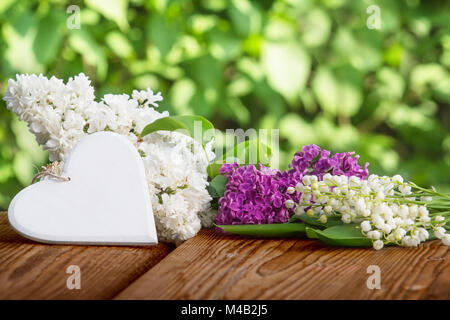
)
(29, 270)
(213, 266)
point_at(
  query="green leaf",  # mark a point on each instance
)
(23, 167)
(217, 186)
(239, 110)
(26, 141)
(162, 33)
(115, 10)
(213, 169)
(360, 51)
(313, 221)
(391, 85)
(207, 72)
(287, 67)
(311, 233)
(276, 230)
(119, 44)
(181, 96)
(224, 46)
(338, 91)
(315, 27)
(296, 130)
(83, 43)
(48, 37)
(188, 125)
(279, 29)
(346, 235)
(244, 152)
(18, 35)
(246, 19)
(247, 152)
(4, 5)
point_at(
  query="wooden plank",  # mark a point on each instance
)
(29, 270)
(213, 266)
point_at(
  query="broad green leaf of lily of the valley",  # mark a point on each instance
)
(275, 230)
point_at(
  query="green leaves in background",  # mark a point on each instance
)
(164, 41)
(18, 37)
(338, 91)
(120, 45)
(245, 17)
(49, 36)
(84, 44)
(287, 67)
(310, 68)
(115, 10)
(30, 154)
(241, 154)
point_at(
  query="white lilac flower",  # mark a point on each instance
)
(147, 97)
(60, 114)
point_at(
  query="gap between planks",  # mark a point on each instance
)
(216, 266)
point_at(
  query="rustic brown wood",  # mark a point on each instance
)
(213, 266)
(29, 270)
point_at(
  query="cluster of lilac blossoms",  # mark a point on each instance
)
(312, 160)
(252, 196)
(257, 196)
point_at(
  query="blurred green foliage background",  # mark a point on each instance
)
(311, 68)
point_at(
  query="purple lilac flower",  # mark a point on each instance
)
(312, 160)
(255, 196)
(252, 196)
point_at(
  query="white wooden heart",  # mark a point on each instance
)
(105, 202)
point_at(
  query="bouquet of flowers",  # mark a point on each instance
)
(321, 196)
(60, 114)
(333, 199)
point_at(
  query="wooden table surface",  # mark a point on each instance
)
(215, 266)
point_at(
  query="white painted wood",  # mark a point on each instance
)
(106, 200)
